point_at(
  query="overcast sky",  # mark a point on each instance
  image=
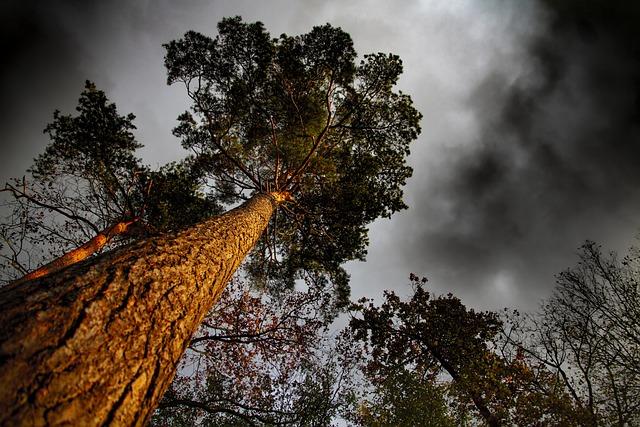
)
(530, 131)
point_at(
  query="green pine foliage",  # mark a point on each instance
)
(297, 114)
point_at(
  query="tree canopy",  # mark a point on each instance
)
(298, 115)
(457, 360)
(260, 360)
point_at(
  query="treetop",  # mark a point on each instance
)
(297, 114)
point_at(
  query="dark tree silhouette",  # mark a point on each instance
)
(588, 334)
(444, 351)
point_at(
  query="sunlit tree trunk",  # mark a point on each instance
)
(98, 343)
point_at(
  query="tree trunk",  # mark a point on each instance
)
(98, 343)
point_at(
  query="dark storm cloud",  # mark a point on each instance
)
(556, 161)
(50, 48)
(40, 59)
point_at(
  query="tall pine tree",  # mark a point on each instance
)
(315, 143)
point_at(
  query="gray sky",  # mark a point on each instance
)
(530, 131)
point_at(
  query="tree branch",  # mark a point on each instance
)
(20, 195)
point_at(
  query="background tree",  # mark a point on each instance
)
(403, 397)
(588, 333)
(89, 191)
(337, 136)
(453, 354)
(260, 360)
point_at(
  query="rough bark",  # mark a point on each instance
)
(98, 343)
